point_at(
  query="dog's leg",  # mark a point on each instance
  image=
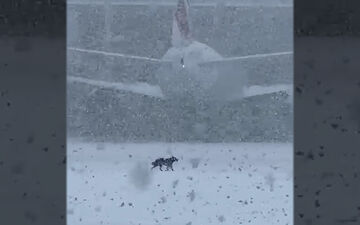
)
(161, 167)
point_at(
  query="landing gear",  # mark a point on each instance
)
(182, 62)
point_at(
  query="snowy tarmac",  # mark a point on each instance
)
(230, 183)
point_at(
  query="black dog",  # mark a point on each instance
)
(164, 162)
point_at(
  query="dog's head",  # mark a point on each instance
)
(174, 159)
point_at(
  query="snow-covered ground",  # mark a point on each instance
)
(230, 183)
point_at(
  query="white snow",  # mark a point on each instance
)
(232, 183)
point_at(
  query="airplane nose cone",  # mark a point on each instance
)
(185, 77)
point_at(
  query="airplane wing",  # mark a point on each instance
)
(113, 54)
(246, 57)
(257, 90)
(229, 59)
(155, 91)
(258, 69)
(137, 88)
(132, 68)
(227, 83)
(244, 77)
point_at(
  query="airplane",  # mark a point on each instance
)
(190, 69)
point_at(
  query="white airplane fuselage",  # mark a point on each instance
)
(185, 78)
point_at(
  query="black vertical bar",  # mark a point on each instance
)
(327, 112)
(32, 112)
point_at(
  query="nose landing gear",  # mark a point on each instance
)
(182, 62)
